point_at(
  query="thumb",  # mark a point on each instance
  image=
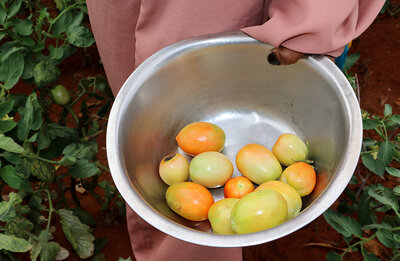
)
(283, 56)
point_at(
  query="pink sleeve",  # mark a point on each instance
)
(315, 26)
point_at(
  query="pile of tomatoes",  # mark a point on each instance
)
(281, 177)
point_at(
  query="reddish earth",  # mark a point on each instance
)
(379, 80)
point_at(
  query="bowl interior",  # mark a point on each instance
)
(234, 87)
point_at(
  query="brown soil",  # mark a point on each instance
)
(379, 80)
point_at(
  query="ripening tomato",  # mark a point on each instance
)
(301, 176)
(198, 137)
(258, 211)
(210, 169)
(289, 149)
(174, 168)
(189, 200)
(258, 163)
(291, 195)
(60, 95)
(238, 187)
(219, 216)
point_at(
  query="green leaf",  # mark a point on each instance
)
(123, 259)
(395, 119)
(350, 61)
(84, 216)
(80, 36)
(38, 244)
(388, 110)
(23, 27)
(393, 171)
(67, 161)
(333, 256)
(384, 195)
(370, 124)
(376, 225)
(11, 70)
(83, 169)
(45, 73)
(10, 176)
(80, 151)
(396, 190)
(8, 144)
(12, 157)
(109, 192)
(372, 164)
(386, 237)
(43, 139)
(32, 138)
(31, 119)
(42, 170)
(19, 227)
(41, 19)
(14, 244)
(13, 8)
(368, 256)
(6, 107)
(385, 154)
(56, 131)
(23, 168)
(56, 52)
(345, 225)
(7, 208)
(6, 126)
(3, 14)
(77, 233)
(99, 244)
(61, 23)
(49, 251)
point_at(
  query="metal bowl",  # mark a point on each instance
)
(225, 79)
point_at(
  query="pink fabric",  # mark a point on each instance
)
(129, 31)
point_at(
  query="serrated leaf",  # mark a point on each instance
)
(370, 124)
(372, 164)
(49, 251)
(8, 144)
(84, 216)
(45, 73)
(80, 36)
(62, 254)
(388, 110)
(38, 244)
(80, 151)
(19, 227)
(83, 169)
(333, 256)
(23, 27)
(384, 195)
(7, 125)
(7, 208)
(385, 154)
(77, 233)
(11, 70)
(345, 225)
(396, 190)
(14, 244)
(10, 176)
(393, 171)
(386, 237)
(395, 119)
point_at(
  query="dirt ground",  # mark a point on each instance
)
(379, 80)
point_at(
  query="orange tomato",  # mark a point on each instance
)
(198, 137)
(289, 149)
(189, 200)
(238, 187)
(301, 176)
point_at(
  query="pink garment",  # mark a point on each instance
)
(129, 31)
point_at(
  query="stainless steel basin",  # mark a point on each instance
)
(226, 79)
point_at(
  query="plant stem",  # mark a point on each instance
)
(33, 156)
(51, 209)
(98, 164)
(69, 109)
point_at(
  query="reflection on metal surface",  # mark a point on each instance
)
(225, 79)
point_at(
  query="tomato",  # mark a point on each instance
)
(199, 137)
(291, 195)
(189, 200)
(174, 168)
(258, 211)
(210, 169)
(301, 176)
(257, 163)
(60, 95)
(219, 216)
(238, 187)
(289, 149)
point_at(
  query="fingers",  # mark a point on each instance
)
(283, 56)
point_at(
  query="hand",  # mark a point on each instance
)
(283, 56)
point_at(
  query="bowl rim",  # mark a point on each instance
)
(330, 194)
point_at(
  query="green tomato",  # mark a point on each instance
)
(219, 216)
(257, 211)
(289, 149)
(210, 169)
(174, 168)
(60, 95)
